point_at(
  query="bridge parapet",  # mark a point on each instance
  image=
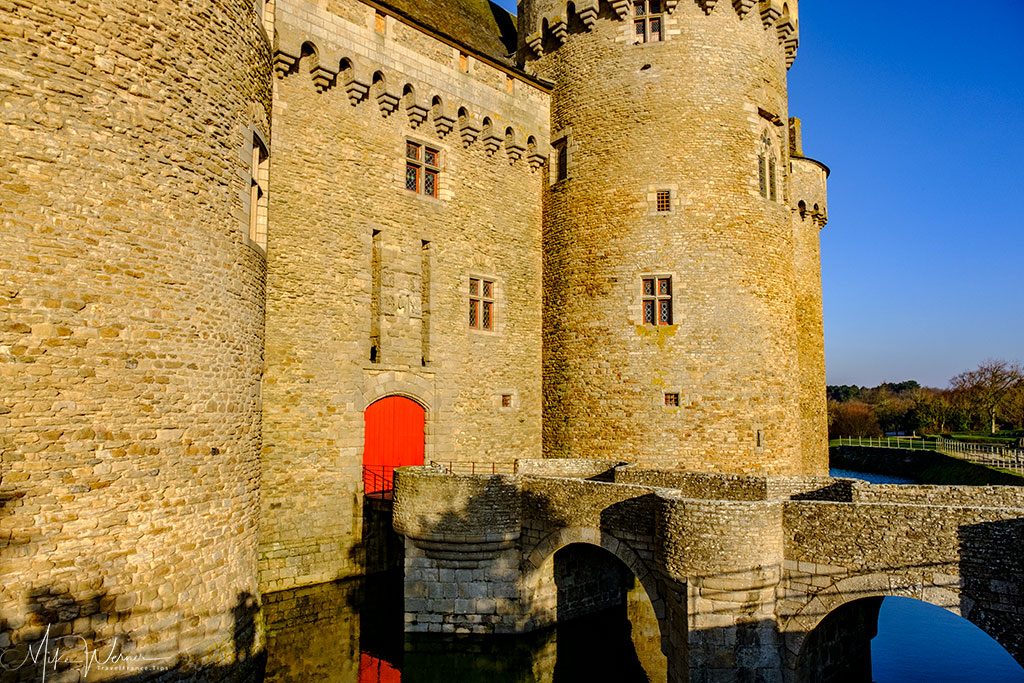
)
(739, 569)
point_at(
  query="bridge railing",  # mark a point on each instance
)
(989, 455)
(378, 480)
(457, 467)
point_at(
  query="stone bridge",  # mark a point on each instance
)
(746, 578)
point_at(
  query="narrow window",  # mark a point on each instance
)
(762, 174)
(425, 302)
(767, 168)
(657, 300)
(664, 201)
(647, 20)
(463, 62)
(259, 175)
(380, 22)
(422, 169)
(375, 287)
(760, 439)
(672, 400)
(561, 159)
(481, 304)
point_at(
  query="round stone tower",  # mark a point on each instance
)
(131, 329)
(670, 286)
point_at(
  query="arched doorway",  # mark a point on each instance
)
(393, 437)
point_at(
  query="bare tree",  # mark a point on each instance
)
(989, 385)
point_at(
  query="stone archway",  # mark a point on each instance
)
(816, 608)
(549, 565)
(393, 436)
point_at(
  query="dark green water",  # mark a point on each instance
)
(352, 631)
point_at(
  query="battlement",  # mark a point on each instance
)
(549, 22)
(382, 70)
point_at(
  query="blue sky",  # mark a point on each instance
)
(919, 111)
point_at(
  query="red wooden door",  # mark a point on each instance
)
(394, 438)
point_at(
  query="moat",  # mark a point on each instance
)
(353, 631)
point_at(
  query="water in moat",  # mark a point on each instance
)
(351, 632)
(921, 643)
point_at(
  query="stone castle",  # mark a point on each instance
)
(254, 252)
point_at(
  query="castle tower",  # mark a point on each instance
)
(673, 272)
(133, 195)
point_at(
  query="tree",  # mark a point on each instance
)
(989, 385)
(853, 418)
(1014, 407)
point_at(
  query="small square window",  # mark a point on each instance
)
(672, 399)
(664, 201)
(506, 400)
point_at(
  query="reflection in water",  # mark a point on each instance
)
(921, 643)
(352, 631)
(871, 477)
(918, 642)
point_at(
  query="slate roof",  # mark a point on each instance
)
(480, 25)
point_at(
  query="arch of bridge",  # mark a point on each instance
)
(540, 559)
(798, 624)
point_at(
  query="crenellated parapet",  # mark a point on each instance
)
(550, 29)
(392, 93)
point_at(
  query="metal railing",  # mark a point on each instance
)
(989, 455)
(378, 480)
(456, 467)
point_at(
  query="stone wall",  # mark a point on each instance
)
(809, 201)
(954, 556)
(131, 327)
(368, 283)
(736, 585)
(685, 115)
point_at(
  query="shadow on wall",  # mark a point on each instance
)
(992, 581)
(55, 640)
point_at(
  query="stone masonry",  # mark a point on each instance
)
(739, 570)
(214, 264)
(131, 326)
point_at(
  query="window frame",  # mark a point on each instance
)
(644, 18)
(663, 201)
(483, 301)
(259, 194)
(422, 168)
(658, 299)
(768, 167)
